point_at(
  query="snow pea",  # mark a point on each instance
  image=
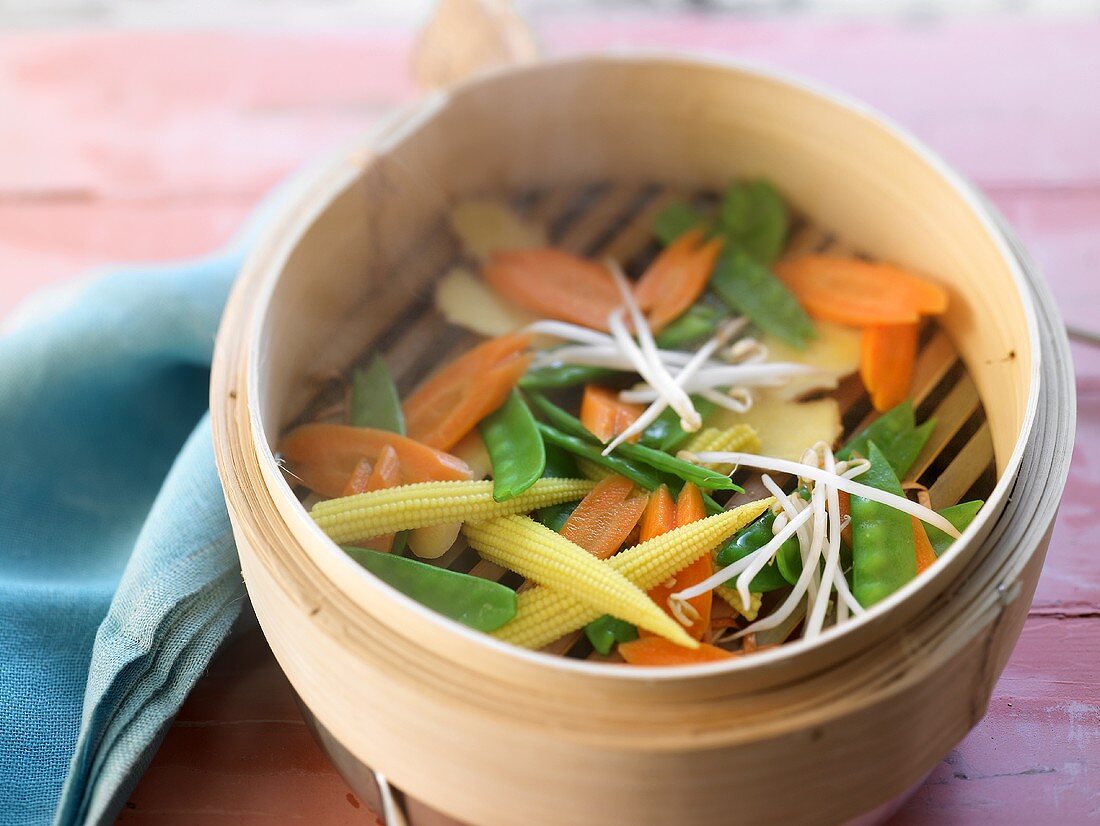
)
(698, 322)
(751, 538)
(674, 220)
(515, 448)
(556, 376)
(604, 633)
(560, 464)
(754, 218)
(638, 474)
(960, 515)
(897, 436)
(555, 516)
(749, 287)
(665, 432)
(374, 399)
(479, 603)
(640, 454)
(883, 552)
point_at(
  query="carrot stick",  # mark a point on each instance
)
(677, 277)
(689, 508)
(386, 474)
(851, 291)
(359, 478)
(324, 456)
(926, 555)
(605, 416)
(605, 517)
(451, 403)
(555, 284)
(886, 357)
(659, 516)
(651, 650)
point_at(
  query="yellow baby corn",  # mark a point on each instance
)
(433, 503)
(533, 550)
(741, 437)
(730, 595)
(544, 614)
(590, 470)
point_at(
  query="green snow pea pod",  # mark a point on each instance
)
(638, 474)
(560, 464)
(697, 323)
(674, 220)
(884, 556)
(751, 538)
(515, 448)
(479, 603)
(374, 399)
(665, 432)
(896, 435)
(636, 453)
(960, 515)
(749, 287)
(754, 218)
(556, 376)
(607, 631)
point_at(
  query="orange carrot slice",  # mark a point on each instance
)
(851, 291)
(689, 508)
(886, 358)
(605, 416)
(324, 456)
(386, 474)
(605, 517)
(554, 284)
(659, 651)
(359, 478)
(677, 277)
(926, 556)
(659, 516)
(451, 403)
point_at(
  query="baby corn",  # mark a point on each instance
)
(709, 438)
(548, 558)
(433, 503)
(544, 614)
(731, 596)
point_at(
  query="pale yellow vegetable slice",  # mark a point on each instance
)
(785, 427)
(433, 541)
(465, 300)
(485, 225)
(835, 352)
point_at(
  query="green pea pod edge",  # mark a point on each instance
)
(374, 399)
(475, 602)
(608, 631)
(883, 551)
(515, 448)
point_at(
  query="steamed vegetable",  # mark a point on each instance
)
(887, 356)
(748, 287)
(374, 399)
(605, 517)
(677, 277)
(883, 552)
(515, 448)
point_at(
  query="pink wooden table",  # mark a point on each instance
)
(123, 147)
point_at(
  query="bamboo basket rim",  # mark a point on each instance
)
(312, 195)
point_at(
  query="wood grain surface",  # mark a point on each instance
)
(123, 146)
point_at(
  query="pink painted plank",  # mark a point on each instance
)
(1035, 758)
(48, 241)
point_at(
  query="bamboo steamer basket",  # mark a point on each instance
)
(490, 734)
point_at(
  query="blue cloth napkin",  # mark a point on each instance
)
(118, 573)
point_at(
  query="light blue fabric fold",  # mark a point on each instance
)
(118, 574)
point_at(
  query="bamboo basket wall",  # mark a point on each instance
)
(490, 734)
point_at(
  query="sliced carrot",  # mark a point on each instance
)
(851, 291)
(659, 516)
(926, 556)
(604, 415)
(677, 277)
(689, 508)
(605, 517)
(659, 651)
(324, 456)
(886, 358)
(359, 478)
(451, 403)
(386, 474)
(554, 284)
